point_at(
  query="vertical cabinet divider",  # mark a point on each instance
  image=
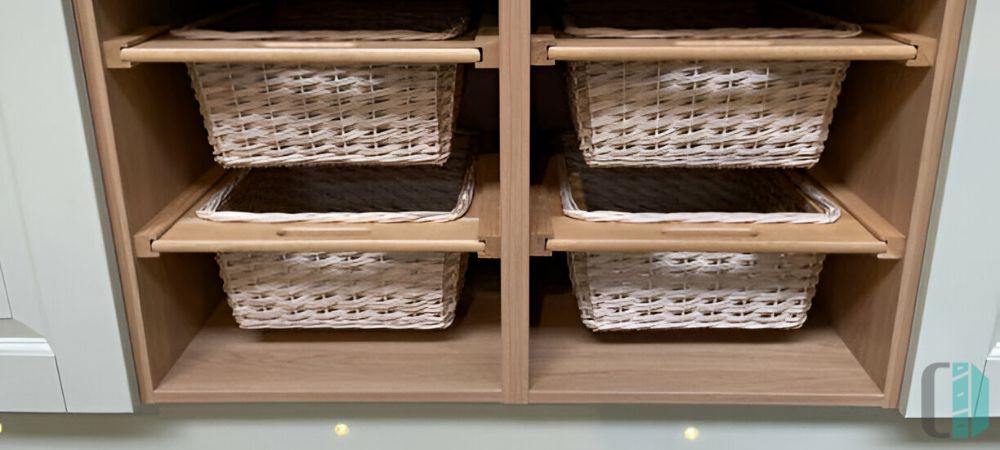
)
(515, 79)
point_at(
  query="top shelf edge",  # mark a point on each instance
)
(155, 45)
(881, 45)
(481, 46)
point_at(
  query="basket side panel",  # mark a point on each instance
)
(637, 291)
(341, 290)
(742, 114)
(262, 115)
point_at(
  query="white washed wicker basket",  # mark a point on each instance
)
(669, 290)
(343, 290)
(643, 291)
(265, 115)
(346, 289)
(722, 114)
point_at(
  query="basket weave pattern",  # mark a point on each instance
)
(343, 290)
(260, 115)
(641, 291)
(635, 291)
(723, 114)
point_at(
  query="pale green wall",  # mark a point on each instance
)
(54, 240)
(961, 296)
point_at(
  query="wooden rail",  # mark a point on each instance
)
(869, 46)
(155, 45)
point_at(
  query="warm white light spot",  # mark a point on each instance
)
(691, 433)
(341, 429)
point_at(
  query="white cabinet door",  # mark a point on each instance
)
(58, 264)
(960, 294)
(29, 378)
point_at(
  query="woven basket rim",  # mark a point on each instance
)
(202, 29)
(828, 211)
(838, 29)
(210, 210)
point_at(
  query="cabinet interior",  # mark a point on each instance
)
(883, 149)
(188, 347)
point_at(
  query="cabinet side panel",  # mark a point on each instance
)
(885, 145)
(151, 146)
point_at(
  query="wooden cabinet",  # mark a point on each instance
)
(518, 338)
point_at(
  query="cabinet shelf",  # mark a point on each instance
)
(885, 45)
(859, 230)
(224, 363)
(811, 365)
(155, 45)
(177, 228)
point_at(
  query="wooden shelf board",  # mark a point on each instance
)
(177, 229)
(553, 231)
(809, 366)
(868, 46)
(156, 45)
(224, 363)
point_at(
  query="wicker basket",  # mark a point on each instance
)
(640, 291)
(265, 115)
(647, 291)
(344, 290)
(722, 114)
